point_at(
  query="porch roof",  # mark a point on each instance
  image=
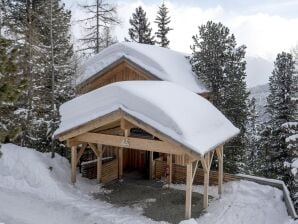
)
(174, 111)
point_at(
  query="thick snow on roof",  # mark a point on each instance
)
(173, 110)
(165, 64)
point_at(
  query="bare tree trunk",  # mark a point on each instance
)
(97, 27)
(53, 77)
(28, 71)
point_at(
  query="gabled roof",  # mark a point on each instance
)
(163, 63)
(173, 110)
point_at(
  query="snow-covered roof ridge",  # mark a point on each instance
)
(169, 108)
(165, 64)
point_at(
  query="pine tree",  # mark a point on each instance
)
(46, 62)
(20, 20)
(163, 21)
(10, 89)
(140, 31)
(292, 134)
(252, 136)
(56, 21)
(221, 66)
(101, 16)
(281, 109)
(108, 38)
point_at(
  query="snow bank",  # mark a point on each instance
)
(26, 170)
(161, 62)
(30, 193)
(173, 110)
(26, 185)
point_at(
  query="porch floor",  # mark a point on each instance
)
(157, 201)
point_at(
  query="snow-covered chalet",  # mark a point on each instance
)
(140, 107)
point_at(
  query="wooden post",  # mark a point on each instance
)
(206, 178)
(151, 166)
(170, 166)
(219, 152)
(188, 190)
(99, 163)
(120, 162)
(73, 164)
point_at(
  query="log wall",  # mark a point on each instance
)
(179, 174)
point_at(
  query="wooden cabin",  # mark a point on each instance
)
(126, 68)
(116, 126)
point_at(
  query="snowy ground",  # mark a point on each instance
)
(36, 189)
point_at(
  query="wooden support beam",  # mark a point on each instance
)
(91, 125)
(158, 134)
(195, 170)
(94, 149)
(99, 163)
(170, 166)
(206, 180)
(81, 152)
(151, 166)
(120, 163)
(129, 142)
(73, 164)
(206, 185)
(206, 163)
(125, 125)
(188, 190)
(219, 152)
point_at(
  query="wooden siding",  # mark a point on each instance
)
(121, 72)
(109, 171)
(134, 159)
(179, 174)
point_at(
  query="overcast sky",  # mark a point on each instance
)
(266, 27)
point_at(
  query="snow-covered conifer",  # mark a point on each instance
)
(281, 109)
(162, 20)
(140, 30)
(220, 64)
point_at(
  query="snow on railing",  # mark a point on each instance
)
(274, 183)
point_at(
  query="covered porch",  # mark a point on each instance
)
(166, 129)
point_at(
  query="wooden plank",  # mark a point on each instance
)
(188, 191)
(99, 163)
(179, 174)
(73, 164)
(109, 171)
(129, 142)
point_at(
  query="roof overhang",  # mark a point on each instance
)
(72, 134)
